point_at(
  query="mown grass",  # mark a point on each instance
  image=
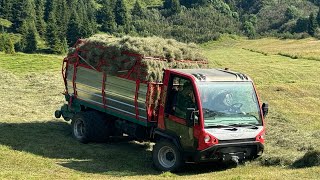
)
(35, 145)
(296, 49)
(21, 64)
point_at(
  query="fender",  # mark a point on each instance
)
(159, 133)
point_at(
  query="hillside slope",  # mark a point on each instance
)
(52, 26)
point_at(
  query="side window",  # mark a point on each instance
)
(180, 97)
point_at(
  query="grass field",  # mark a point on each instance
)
(35, 145)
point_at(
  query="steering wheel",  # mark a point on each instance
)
(236, 107)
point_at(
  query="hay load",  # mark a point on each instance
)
(137, 57)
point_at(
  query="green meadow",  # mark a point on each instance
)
(35, 145)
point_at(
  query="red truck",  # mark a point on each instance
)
(193, 115)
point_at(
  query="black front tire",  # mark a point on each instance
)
(166, 156)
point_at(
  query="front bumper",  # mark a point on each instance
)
(227, 151)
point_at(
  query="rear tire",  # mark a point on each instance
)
(80, 127)
(91, 126)
(166, 156)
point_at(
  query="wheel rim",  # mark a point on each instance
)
(79, 129)
(167, 157)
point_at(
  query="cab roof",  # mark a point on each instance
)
(214, 74)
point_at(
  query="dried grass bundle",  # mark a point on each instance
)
(158, 54)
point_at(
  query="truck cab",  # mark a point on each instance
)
(208, 115)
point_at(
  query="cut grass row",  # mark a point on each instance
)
(295, 49)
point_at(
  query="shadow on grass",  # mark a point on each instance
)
(119, 157)
(310, 159)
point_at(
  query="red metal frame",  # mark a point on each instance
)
(178, 120)
(64, 69)
(136, 105)
(104, 100)
(152, 111)
(198, 130)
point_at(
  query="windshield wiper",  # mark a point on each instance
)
(233, 128)
(248, 125)
(247, 115)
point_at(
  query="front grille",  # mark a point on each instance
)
(236, 141)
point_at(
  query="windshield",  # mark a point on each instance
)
(229, 104)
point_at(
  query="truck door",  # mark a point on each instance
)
(180, 96)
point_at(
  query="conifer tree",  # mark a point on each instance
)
(121, 13)
(176, 8)
(137, 10)
(74, 31)
(167, 4)
(2, 42)
(24, 11)
(50, 7)
(318, 16)
(91, 14)
(6, 44)
(61, 13)
(31, 40)
(52, 38)
(108, 21)
(6, 9)
(312, 24)
(40, 23)
(173, 6)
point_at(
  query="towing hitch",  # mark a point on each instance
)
(234, 157)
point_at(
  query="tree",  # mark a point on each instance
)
(52, 38)
(171, 7)
(121, 13)
(318, 16)
(31, 40)
(249, 29)
(6, 44)
(312, 27)
(24, 13)
(6, 9)
(62, 16)
(2, 40)
(291, 12)
(176, 8)
(74, 31)
(137, 10)
(167, 4)
(40, 23)
(302, 25)
(88, 20)
(50, 7)
(108, 20)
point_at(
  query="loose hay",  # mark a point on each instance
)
(310, 159)
(113, 55)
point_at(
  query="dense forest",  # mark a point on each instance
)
(54, 25)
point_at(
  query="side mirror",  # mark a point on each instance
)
(265, 109)
(192, 117)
